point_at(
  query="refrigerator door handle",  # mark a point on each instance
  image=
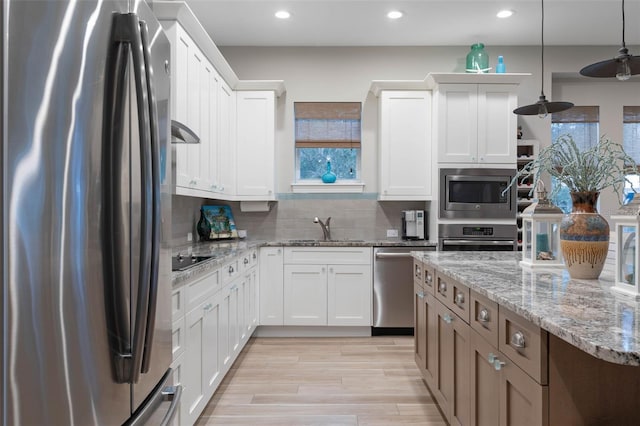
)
(155, 204)
(128, 31)
(115, 236)
(163, 393)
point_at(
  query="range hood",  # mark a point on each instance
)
(182, 134)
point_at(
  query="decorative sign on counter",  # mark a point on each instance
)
(221, 221)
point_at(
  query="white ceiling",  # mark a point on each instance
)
(425, 22)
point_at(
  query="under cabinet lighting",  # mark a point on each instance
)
(394, 14)
(283, 14)
(504, 13)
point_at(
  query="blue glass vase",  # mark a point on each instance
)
(477, 59)
(329, 177)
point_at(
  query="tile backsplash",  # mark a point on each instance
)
(293, 219)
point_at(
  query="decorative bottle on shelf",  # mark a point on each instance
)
(477, 59)
(204, 227)
(329, 177)
(500, 67)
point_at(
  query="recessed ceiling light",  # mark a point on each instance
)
(394, 14)
(504, 13)
(283, 14)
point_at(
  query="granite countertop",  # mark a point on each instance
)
(223, 251)
(584, 313)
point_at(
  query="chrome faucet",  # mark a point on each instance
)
(326, 230)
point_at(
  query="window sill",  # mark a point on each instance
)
(327, 188)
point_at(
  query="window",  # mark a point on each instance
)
(631, 143)
(327, 131)
(582, 123)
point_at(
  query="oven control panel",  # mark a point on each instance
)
(478, 231)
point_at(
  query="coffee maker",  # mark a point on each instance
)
(414, 225)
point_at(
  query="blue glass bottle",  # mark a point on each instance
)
(500, 67)
(329, 177)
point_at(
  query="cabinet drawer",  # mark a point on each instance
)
(177, 337)
(230, 270)
(199, 289)
(248, 259)
(524, 343)
(326, 255)
(429, 278)
(484, 317)
(177, 303)
(453, 295)
(418, 272)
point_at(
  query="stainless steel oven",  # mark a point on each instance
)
(477, 193)
(469, 237)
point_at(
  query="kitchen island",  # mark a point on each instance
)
(524, 346)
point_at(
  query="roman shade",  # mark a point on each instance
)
(327, 124)
(577, 114)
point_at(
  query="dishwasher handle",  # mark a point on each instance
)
(392, 255)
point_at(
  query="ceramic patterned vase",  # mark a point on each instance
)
(584, 237)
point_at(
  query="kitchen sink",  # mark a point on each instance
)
(180, 262)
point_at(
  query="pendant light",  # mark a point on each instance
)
(543, 106)
(622, 66)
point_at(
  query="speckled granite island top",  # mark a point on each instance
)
(584, 313)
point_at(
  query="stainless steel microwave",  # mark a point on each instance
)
(477, 193)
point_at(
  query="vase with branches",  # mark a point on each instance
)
(584, 234)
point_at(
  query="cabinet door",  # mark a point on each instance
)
(523, 401)
(419, 327)
(497, 125)
(271, 290)
(205, 89)
(305, 295)
(431, 340)
(180, 99)
(349, 292)
(226, 140)
(485, 382)
(250, 300)
(212, 367)
(234, 320)
(453, 347)
(177, 371)
(405, 145)
(255, 145)
(457, 123)
(195, 387)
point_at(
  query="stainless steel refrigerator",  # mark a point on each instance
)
(86, 207)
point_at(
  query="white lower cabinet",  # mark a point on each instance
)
(220, 317)
(271, 286)
(327, 286)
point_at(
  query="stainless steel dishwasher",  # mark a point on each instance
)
(393, 290)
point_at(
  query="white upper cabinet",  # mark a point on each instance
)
(255, 171)
(405, 153)
(226, 155)
(475, 123)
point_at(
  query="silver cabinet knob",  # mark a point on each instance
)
(491, 357)
(420, 294)
(418, 271)
(231, 269)
(428, 278)
(245, 261)
(497, 364)
(442, 288)
(483, 315)
(459, 299)
(517, 340)
(447, 318)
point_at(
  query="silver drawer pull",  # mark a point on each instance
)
(418, 271)
(420, 294)
(483, 315)
(428, 279)
(497, 364)
(517, 340)
(459, 299)
(442, 288)
(245, 261)
(231, 270)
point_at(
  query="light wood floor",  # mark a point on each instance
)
(324, 381)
